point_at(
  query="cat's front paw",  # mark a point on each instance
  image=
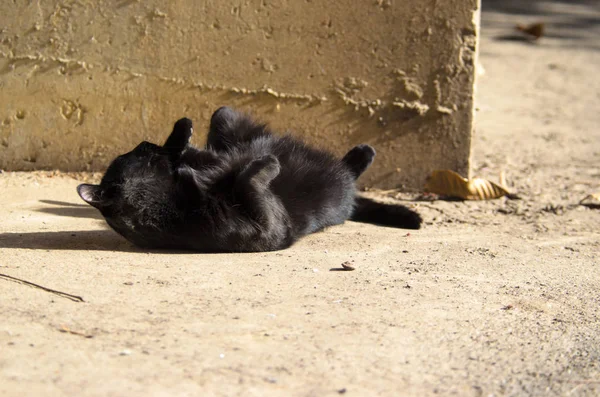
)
(262, 170)
(270, 165)
(359, 159)
(180, 137)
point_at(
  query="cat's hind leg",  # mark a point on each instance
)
(229, 128)
(221, 134)
(359, 159)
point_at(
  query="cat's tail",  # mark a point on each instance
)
(370, 211)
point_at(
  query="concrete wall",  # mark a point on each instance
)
(82, 81)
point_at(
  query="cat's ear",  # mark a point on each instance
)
(90, 194)
(180, 137)
(223, 119)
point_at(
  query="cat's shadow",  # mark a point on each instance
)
(70, 240)
(102, 239)
(63, 208)
(84, 240)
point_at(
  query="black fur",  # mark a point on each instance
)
(247, 191)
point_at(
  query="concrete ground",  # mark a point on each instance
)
(490, 298)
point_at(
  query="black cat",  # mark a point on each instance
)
(247, 191)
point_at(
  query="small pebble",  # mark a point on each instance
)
(347, 266)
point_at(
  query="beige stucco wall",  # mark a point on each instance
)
(82, 81)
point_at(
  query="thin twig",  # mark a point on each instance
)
(65, 329)
(74, 298)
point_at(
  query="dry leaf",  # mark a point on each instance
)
(535, 30)
(449, 183)
(591, 200)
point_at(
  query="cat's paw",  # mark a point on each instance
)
(221, 118)
(180, 137)
(359, 159)
(183, 125)
(262, 171)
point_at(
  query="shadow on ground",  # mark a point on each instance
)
(104, 240)
(62, 208)
(83, 240)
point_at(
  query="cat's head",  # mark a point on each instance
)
(136, 181)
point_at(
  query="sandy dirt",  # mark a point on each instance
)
(496, 298)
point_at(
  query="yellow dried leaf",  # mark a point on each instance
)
(591, 200)
(449, 183)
